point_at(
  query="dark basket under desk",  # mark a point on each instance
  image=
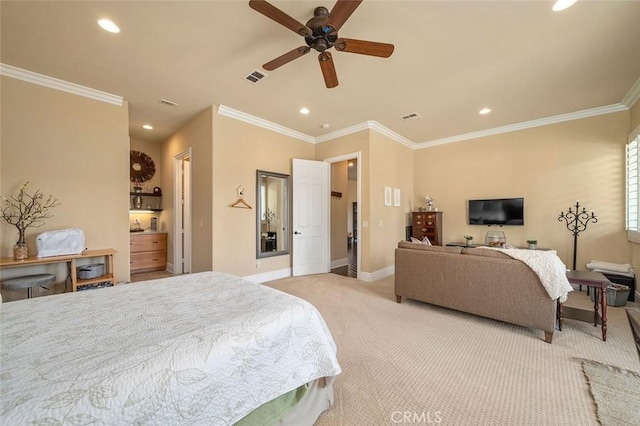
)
(621, 279)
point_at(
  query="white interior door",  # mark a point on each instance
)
(182, 213)
(186, 216)
(311, 196)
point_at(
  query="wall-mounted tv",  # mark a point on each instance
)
(497, 211)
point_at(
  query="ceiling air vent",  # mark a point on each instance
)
(412, 116)
(169, 103)
(255, 76)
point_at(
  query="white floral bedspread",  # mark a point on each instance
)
(203, 348)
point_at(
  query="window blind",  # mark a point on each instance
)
(633, 186)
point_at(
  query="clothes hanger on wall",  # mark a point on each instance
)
(241, 204)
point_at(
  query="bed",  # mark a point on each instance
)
(206, 348)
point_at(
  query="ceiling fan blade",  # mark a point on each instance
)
(363, 47)
(286, 58)
(272, 12)
(341, 12)
(328, 70)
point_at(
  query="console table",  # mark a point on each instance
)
(71, 261)
(457, 244)
(589, 279)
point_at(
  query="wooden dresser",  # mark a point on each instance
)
(427, 224)
(148, 251)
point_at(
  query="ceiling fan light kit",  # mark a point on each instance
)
(562, 5)
(321, 34)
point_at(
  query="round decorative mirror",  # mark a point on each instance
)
(142, 167)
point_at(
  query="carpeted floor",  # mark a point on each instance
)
(417, 363)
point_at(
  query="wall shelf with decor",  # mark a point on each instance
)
(148, 202)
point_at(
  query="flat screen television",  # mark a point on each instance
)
(497, 211)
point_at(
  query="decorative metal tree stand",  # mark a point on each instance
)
(576, 222)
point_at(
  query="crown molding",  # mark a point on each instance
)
(374, 125)
(526, 125)
(632, 95)
(57, 84)
(343, 132)
(265, 124)
(629, 100)
(367, 125)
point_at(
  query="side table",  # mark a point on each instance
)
(599, 283)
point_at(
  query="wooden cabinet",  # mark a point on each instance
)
(148, 252)
(427, 224)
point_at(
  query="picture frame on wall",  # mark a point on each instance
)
(387, 196)
(396, 197)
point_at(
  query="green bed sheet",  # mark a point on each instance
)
(270, 412)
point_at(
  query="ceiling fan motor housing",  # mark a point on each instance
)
(322, 38)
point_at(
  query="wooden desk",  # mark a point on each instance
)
(589, 279)
(70, 260)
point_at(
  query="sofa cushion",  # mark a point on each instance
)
(424, 241)
(484, 252)
(420, 246)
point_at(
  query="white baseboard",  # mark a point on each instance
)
(377, 275)
(170, 267)
(339, 262)
(269, 276)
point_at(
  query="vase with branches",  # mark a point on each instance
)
(269, 216)
(26, 210)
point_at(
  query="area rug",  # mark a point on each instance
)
(615, 391)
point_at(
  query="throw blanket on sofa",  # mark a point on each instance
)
(549, 268)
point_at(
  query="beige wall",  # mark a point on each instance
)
(635, 115)
(76, 149)
(384, 162)
(551, 167)
(391, 165)
(198, 136)
(339, 209)
(239, 150)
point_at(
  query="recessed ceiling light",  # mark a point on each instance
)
(147, 126)
(108, 25)
(304, 111)
(484, 111)
(562, 5)
(350, 164)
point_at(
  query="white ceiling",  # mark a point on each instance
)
(451, 59)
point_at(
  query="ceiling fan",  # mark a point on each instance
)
(321, 34)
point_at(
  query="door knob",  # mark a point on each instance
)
(297, 233)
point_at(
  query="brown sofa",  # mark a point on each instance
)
(474, 280)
